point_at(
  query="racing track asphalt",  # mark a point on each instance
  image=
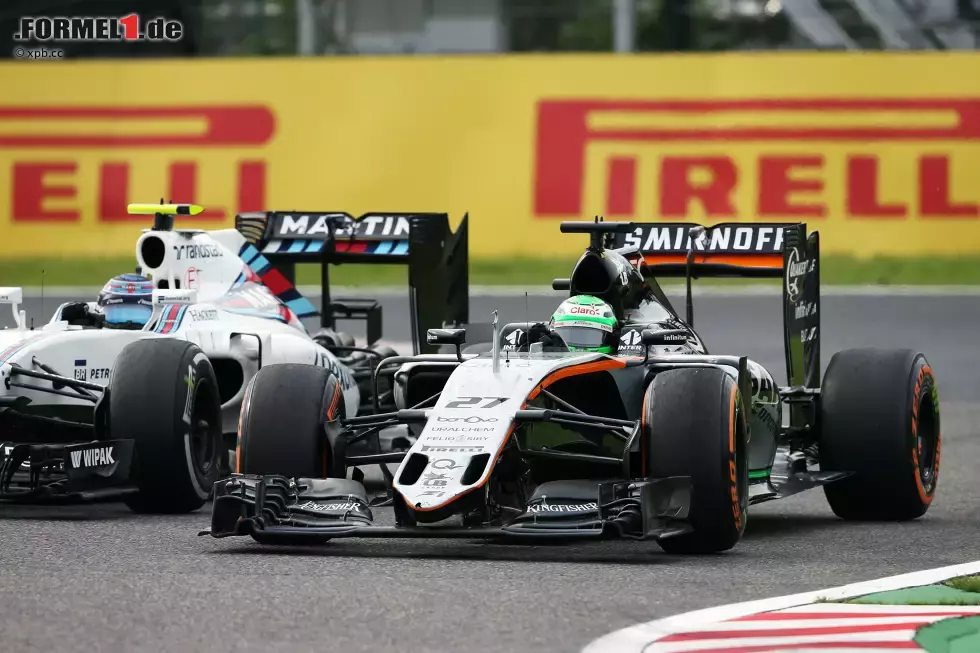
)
(97, 578)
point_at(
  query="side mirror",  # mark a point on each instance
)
(446, 336)
(454, 337)
(667, 337)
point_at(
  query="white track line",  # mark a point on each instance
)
(634, 639)
(760, 290)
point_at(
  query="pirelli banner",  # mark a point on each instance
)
(879, 152)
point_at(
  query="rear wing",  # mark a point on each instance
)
(437, 260)
(726, 250)
(761, 250)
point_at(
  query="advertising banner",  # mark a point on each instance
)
(880, 152)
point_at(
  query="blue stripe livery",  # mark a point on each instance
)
(302, 307)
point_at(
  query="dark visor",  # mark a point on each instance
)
(577, 336)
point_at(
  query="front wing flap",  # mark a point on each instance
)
(271, 508)
(42, 473)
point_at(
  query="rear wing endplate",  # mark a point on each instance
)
(436, 256)
(761, 250)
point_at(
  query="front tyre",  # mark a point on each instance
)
(693, 426)
(879, 416)
(282, 429)
(163, 395)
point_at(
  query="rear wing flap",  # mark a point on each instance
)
(436, 256)
(749, 250)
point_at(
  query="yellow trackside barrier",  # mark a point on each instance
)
(879, 151)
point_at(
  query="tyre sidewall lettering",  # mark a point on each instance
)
(197, 369)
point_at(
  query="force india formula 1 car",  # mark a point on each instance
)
(662, 440)
(151, 415)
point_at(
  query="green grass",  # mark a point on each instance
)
(836, 270)
(965, 583)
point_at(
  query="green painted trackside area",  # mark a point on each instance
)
(949, 635)
(507, 271)
(958, 635)
(963, 590)
(927, 595)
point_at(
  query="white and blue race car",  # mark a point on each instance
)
(137, 396)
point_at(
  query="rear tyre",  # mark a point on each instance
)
(328, 338)
(693, 426)
(879, 415)
(385, 351)
(163, 394)
(384, 382)
(281, 427)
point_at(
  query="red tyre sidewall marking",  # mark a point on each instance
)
(925, 372)
(732, 468)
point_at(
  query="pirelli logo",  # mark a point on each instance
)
(799, 158)
(114, 127)
(58, 158)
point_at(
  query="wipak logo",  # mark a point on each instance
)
(98, 457)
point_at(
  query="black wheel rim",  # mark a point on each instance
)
(927, 437)
(204, 424)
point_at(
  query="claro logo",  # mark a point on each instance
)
(899, 164)
(61, 159)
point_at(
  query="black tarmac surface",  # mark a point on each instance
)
(98, 578)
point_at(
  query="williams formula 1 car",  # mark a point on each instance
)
(150, 414)
(658, 440)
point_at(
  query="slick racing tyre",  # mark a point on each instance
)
(328, 338)
(879, 419)
(693, 426)
(282, 429)
(163, 394)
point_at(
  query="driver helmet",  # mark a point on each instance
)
(126, 302)
(586, 323)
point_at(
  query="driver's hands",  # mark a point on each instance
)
(542, 333)
(537, 331)
(79, 314)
